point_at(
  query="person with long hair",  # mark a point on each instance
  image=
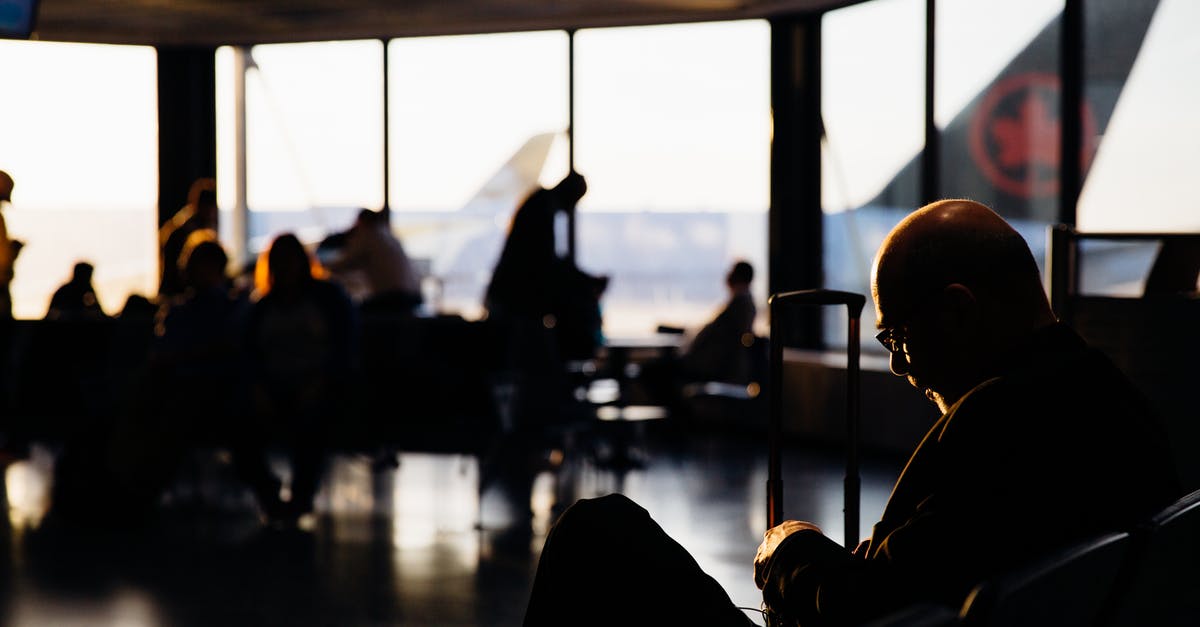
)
(302, 340)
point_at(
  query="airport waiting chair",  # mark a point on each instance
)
(918, 615)
(738, 405)
(1069, 588)
(1161, 582)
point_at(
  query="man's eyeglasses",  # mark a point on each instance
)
(893, 340)
(769, 617)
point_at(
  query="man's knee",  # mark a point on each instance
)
(608, 512)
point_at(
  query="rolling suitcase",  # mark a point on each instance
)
(854, 305)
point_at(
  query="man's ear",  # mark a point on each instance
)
(960, 309)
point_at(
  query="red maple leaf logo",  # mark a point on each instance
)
(1015, 133)
(1030, 138)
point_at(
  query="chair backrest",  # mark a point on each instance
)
(1161, 583)
(918, 615)
(1068, 588)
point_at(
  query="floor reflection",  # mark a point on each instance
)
(413, 544)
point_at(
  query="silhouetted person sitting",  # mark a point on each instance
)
(718, 351)
(1042, 442)
(1176, 270)
(200, 212)
(76, 299)
(371, 248)
(197, 373)
(302, 342)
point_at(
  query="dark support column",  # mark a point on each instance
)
(931, 160)
(1072, 73)
(187, 123)
(571, 136)
(387, 134)
(795, 240)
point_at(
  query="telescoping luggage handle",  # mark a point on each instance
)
(854, 305)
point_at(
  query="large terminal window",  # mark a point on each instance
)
(82, 149)
(872, 102)
(1140, 58)
(672, 131)
(476, 123)
(997, 109)
(314, 136)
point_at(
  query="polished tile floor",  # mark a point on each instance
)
(410, 545)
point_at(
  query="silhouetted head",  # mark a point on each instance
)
(954, 287)
(740, 276)
(204, 262)
(202, 198)
(6, 186)
(571, 189)
(82, 272)
(369, 219)
(289, 266)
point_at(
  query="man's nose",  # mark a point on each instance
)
(898, 362)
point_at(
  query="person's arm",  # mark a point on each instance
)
(8, 252)
(352, 256)
(795, 564)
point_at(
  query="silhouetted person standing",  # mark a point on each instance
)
(9, 248)
(200, 212)
(10, 443)
(545, 311)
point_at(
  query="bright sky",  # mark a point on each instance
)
(667, 118)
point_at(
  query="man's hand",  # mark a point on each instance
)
(771, 541)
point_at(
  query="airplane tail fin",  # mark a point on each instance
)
(1002, 147)
(515, 179)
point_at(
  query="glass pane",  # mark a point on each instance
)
(80, 127)
(1149, 152)
(476, 124)
(314, 136)
(997, 108)
(673, 135)
(872, 101)
(1140, 57)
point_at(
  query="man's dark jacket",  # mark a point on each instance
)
(1056, 448)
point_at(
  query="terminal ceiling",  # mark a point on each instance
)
(220, 22)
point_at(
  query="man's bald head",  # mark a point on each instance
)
(958, 270)
(6, 186)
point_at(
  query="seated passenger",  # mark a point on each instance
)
(1042, 442)
(718, 350)
(76, 299)
(198, 364)
(302, 341)
(372, 249)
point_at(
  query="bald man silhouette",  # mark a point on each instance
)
(1042, 442)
